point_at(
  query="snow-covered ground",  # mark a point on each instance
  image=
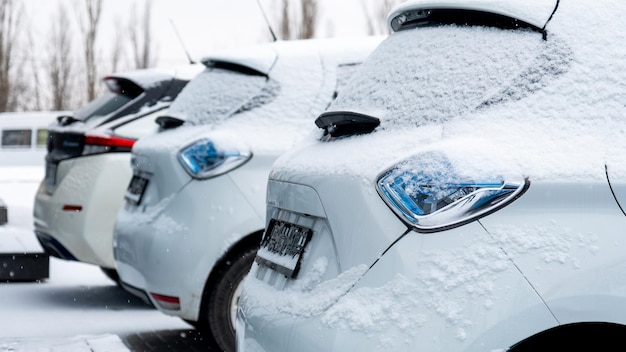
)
(78, 308)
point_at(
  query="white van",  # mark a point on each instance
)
(23, 137)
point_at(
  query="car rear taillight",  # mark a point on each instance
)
(166, 302)
(102, 143)
(430, 195)
(204, 159)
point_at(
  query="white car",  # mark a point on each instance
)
(466, 191)
(24, 137)
(88, 163)
(195, 208)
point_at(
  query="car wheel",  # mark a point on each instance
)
(219, 308)
(111, 274)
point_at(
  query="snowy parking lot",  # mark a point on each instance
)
(78, 308)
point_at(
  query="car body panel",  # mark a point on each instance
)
(551, 117)
(574, 244)
(226, 208)
(164, 230)
(88, 182)
(91, 185)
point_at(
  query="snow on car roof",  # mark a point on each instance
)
(261, 58)
(151, 77)
(550, 115)
(304, 79)
(535, 12)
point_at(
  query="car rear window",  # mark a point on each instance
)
(120, 93)
(218, 93)
(433, 74)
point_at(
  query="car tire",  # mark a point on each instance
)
(111, 274)
(220, 298)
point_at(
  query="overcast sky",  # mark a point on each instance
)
(204, 25)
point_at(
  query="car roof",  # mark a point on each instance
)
(262, 57)
(29, 118)
(149, 77)
(534, 12)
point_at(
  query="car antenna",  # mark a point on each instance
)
(180, 40)
(269, 26)
(543, 30)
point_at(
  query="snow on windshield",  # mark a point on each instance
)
(424, 75)
(216, 94)
(542, 109)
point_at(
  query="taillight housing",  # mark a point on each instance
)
(428, 194)
(204, 159)
(103, 143)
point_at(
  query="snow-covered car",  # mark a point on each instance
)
(465, 192)
(88, 163)
(195, 209)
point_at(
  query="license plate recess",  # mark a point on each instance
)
(136, 189)
(282, 247)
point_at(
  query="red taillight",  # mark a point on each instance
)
(167, 302)
(72, 207)
(108, 141)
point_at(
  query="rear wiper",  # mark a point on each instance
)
(345, 123)
(168, 122)
(65, 120)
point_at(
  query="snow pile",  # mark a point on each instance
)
(307, 298)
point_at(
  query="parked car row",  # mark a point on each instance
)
(457, 186)
(162, 181)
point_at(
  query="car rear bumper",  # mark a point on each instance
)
(420, 295)
(170, 249)
(78, 216)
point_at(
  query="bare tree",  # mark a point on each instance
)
(89, 31)
(59, 67)
(376, 14)
(297, 22)
(117, 50)
(309, 19)
(11, 83)
(36, 97)
(285, 22)
(140, 32)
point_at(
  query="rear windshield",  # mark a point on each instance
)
(218, 93)
(121, 91)
(432, 74)
(102, 106)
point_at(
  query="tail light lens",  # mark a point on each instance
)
(204, 159)
(429, 195)
(101, 143)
